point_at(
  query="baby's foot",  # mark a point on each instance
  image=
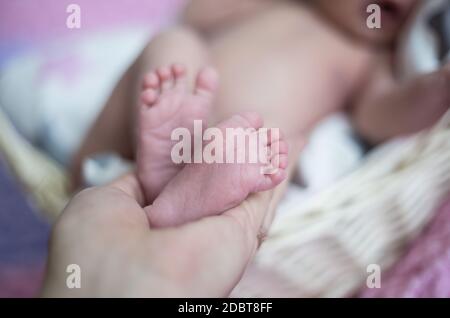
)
(167, 104)
(201, 190)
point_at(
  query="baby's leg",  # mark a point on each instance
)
(114, 130)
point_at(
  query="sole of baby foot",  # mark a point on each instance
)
(167, 103)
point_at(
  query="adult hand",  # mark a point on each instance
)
(106, 233)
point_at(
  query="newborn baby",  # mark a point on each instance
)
(292, 62)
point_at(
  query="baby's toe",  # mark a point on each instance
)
(149, 97)
(271, 180)
(279, 147)
(277, 177)
(166, 78)
(274, 171)
(279, 161)
(151, 80)
(275, 135)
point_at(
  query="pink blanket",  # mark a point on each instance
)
(31, 20)
(424, 271)
(26, 24)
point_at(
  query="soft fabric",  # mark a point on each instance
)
(27, 24)
(54, 94)
(424, 271)
(23, 241)
(332, 152)
(18, 281)
(424, 46)
(54, 90)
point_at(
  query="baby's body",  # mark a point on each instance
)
(284, 60)
(288, 65)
